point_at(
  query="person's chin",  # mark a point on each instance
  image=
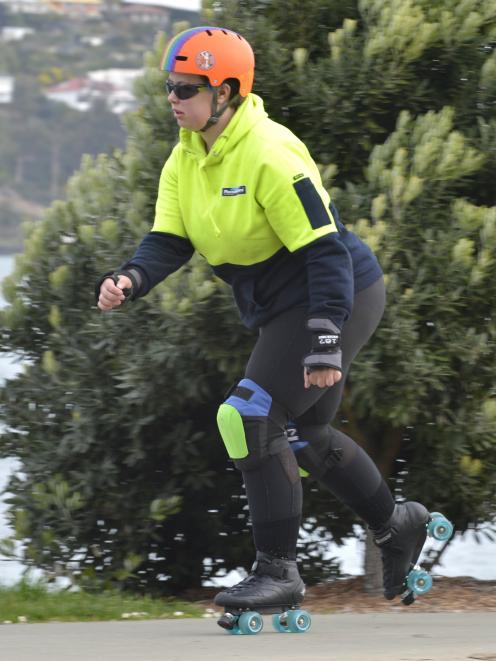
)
(183, 123)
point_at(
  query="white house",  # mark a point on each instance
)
(113, 86)
(118, 77)
(75, 93)
(95, 7)
(75, 7)
(184, 5)
(14, 33)
(26, 6)
(70, 7)
(120, 97)
(6, 89)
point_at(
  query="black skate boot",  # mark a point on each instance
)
(401, 541)
(273, 586)
(271, 582)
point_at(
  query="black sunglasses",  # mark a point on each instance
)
(185, 91)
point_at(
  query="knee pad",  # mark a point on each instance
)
(250, 425)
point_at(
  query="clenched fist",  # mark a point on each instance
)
(111, 294)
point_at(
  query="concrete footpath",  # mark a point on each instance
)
(342, 637)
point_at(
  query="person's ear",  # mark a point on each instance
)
(224, 92)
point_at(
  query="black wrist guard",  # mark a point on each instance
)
(326, 346)
(129, 293)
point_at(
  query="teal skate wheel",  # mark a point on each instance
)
(298, 621)
(250, 623)
(439, 527)
(279, 622)
(419, 581)
(229, 622)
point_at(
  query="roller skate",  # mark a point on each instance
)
(401, 541)
(273, 587)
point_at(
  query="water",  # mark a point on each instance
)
(10, 571)
(6, 267)
(463, 558)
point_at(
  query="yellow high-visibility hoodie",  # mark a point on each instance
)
(254, 206)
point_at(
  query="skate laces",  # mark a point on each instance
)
(250, 580)
(260, 571)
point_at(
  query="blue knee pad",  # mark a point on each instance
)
(247, 426)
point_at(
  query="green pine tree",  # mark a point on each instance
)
(122, 464)
(113, 417)
(396, 99)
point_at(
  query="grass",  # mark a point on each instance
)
(36, 602)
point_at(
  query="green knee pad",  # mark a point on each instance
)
(232, 430)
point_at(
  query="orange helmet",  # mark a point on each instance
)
(213, 52)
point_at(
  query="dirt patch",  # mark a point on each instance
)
(447, 594)
(346, 595)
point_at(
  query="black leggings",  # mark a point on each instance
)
(274, 488)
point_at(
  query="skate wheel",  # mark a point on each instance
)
(229, 622)
(234, 631)
(280, 623)
(419, 581)
(298, 621)
(439, 527)
(250, 623)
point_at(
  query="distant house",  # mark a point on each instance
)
(146, 13)
(93, 41)
(6, 89)
(163, 5)
(112, 86)
(120, 97)
(77, 93)
(139, 10)
(75, 7)
(69, 7)
(14, 33)
(117, 77)
(26, 6)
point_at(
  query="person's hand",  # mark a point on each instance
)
(323, 378)
(111, 294)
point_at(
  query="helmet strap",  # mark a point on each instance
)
(216, 112)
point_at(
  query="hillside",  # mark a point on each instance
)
(41, 140)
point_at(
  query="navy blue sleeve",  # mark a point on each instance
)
(330, 278)
(157, 256)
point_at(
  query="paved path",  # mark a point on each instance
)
(345, 637)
